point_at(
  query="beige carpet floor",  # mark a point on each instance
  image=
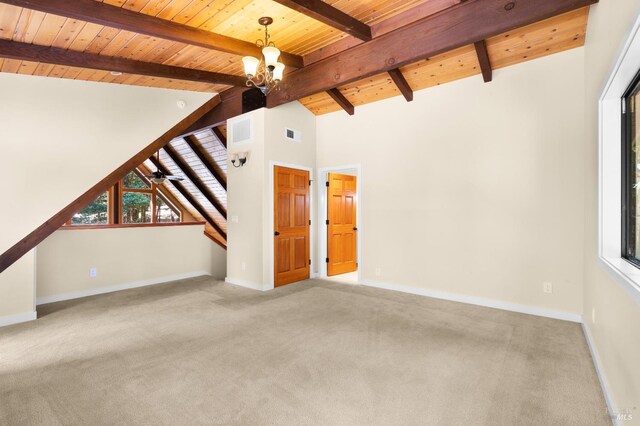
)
(201, 352)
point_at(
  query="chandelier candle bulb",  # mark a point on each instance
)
(250, 65)
(278, 72)
(271, 55)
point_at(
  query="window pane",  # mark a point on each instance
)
(136, 207)
(631, 184)
(133, 181)
(166, 212)
(96, 213)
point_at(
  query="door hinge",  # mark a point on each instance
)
(327, 184)
(327, 260)
(309, 261)
(624, 106)
(327, 221)
(309, 222)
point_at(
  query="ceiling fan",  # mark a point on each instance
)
(158, 177)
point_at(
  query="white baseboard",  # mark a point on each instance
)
(102, 290)
(17, 319)
(611, 406)
(245, 284)
(472, 300)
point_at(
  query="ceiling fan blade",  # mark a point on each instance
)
(177, 178)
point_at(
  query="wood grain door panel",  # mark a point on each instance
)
(342, 229)
(291, 217)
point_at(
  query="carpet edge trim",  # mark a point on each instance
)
(18, 318)
(478, 301)
(110, 289)
(604, 384)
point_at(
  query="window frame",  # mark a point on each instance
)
(610, 166)
(115, 203)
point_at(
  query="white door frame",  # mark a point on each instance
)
(270, 285)
(322, 216)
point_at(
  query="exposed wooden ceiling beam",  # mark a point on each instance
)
(231, 106)
(50, 226)
(57, 56)
(117, 17)
(412, 15)
(187, 196)
(341, 100)
(221, 137)
(405, 18)
(188, 172)
(458, 26)
(199, 151)
(327, 14)
(483, 59)
(401, 83)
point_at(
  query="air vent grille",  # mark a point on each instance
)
(293, 135)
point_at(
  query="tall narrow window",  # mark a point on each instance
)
(136, 199)
(631, 174)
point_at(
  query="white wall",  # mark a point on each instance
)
(473, 189)
(17, 291)
(60, 137)
(123, 257)
(616, 327)
(245, 207)
(250, 202)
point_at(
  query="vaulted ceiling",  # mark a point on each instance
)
(198, 44)
(339, 54)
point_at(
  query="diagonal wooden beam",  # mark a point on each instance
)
(195, 179)
(199, 151)
(231, 106)
(327, 14)
(341, 100)
(57, 56)
(455, 27)
(221, 137)
(483, 59)
(187, 196)
(214, 239)
(117, 17)
(50, 226)
(401, 83)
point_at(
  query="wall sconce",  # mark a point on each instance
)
(239, 159)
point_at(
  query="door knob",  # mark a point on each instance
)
(355, 228)
(276, 233)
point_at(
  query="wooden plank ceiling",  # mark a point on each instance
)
(292, 31)
(171, 43)
(209, 168)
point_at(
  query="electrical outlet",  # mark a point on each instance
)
(93, 272)
(548, 287)
(378, 272)
(244, 266)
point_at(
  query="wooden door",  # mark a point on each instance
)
(291, 213)
(342, 229)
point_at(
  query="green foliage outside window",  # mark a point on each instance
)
(96, 213)
(133, 181)
(136, 207)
